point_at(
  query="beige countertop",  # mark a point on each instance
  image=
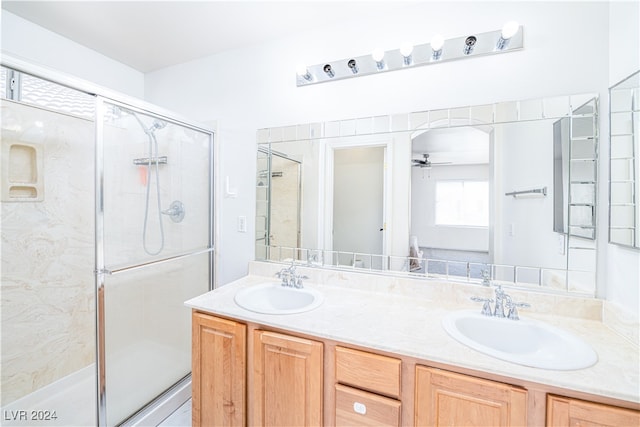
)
(402, 317)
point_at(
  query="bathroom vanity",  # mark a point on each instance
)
(375, 353)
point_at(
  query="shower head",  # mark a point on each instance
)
(157, 124)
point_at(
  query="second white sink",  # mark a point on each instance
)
(525, 341)
(273, 298)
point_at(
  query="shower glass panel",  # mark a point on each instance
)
(157, 241)
(48, 370)
(156, 191)
(148, 331)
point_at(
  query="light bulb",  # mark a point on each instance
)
(378, 57)
(510, 29)
(436, 47)
(353, 66)
(437, 42)
(303, 72)
(328, 70)
(406, 49)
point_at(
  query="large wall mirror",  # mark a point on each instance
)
(505, 191)
(624, 182)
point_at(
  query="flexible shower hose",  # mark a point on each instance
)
(153, 145)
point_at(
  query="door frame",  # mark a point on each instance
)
(325, 232)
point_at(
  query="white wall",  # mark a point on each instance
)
(255, 87)
(524, 222)
(30, 42)
(618, 267)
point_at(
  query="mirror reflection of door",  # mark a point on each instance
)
(358, 203)
(284, 227)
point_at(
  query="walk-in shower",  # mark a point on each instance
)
(106, 228)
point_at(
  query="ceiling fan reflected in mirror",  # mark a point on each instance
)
(426, 163)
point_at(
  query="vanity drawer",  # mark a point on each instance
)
(373, 372)
(360, 408)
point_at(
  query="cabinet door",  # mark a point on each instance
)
(449, 399)
(218, 376)
(287, 382)
(562, 411)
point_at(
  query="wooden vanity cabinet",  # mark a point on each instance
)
(286, 388)
(218, 371)
(564, 411)
(445, 398)
(286, 379)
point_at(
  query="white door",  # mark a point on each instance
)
(358, 202)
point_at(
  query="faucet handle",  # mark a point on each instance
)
(486, 307)
(298, 281)
(513, 309)
(285, 275)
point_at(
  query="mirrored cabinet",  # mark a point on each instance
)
(624, 183)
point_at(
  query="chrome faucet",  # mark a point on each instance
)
(486, 278)
(503, 300)
(498, 310)
(290, 278)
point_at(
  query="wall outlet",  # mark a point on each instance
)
(242, 224)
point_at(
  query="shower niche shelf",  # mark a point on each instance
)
(22, 174)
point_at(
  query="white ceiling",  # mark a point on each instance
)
(457, 146)
(149, 35)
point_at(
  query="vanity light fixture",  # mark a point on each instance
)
(510, 38)
(329, 71)
(508, 30)
(378, 57)
(353, 66)
(406, 50)
(436, 47)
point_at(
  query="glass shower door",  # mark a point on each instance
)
(47, 357)
(156, 235)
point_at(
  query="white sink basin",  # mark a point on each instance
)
(525, 341)
(273, 298)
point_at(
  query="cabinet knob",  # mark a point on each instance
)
(360, 408)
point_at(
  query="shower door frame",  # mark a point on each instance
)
(102, 272)
(103, 95)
